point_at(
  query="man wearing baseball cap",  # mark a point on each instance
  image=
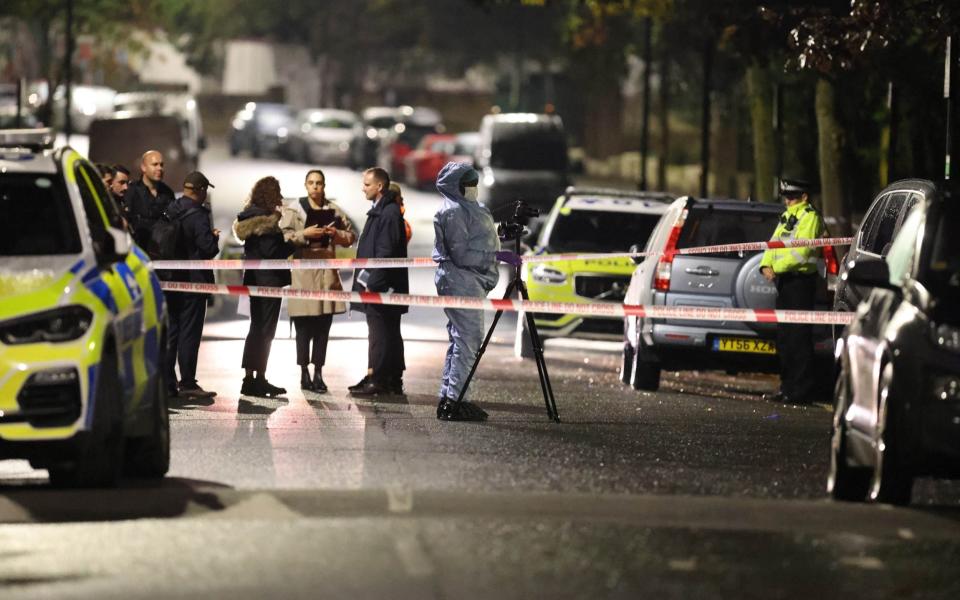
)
(794, 271)
(199, 241)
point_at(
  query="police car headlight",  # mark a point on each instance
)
(545, 274)
(58, 325)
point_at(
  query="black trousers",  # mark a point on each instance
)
(315, 330)
(264, 314)
(385, 354)
(185, 314)
(795, 342)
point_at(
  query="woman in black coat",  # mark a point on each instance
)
(258, 227)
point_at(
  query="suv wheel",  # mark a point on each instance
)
(645, 373)
(844, 482)
(100, 450)
(626, 363)
(891, 482)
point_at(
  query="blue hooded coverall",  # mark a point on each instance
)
(465, 248)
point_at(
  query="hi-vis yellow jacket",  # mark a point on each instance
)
(799, 222)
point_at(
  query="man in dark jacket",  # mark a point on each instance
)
(383, 236)
(147, 198)
(199, 240)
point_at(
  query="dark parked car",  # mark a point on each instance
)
(261, 128)
(881, 223)
(897, 392)
(718, 280)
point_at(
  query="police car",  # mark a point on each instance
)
(81, 324)
(587, 221)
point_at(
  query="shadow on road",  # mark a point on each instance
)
(168, 498)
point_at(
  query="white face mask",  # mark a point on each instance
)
(470, 193)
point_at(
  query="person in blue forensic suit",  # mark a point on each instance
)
(466, 250)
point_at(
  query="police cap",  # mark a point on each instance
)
(794, 187)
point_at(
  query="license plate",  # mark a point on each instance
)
(744, 345)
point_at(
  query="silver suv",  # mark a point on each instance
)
(721, 280)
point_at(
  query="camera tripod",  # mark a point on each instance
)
(517, 284)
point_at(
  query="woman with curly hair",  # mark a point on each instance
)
(258, 227)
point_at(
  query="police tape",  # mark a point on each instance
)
(593, 309)
(427, 262)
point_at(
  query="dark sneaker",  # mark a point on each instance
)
(196, 392)
(451, 410)
(271, 390)
(251, 387)
(370, 389)
(359, 384)
(318, 384)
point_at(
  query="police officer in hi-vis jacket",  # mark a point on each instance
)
(794, 270)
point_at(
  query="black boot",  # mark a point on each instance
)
(318, 385)
(359, 384)
(305, 382)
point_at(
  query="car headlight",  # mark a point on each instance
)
(545, 274)
(946, 336)
(58, 325)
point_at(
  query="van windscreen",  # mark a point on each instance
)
(528, 147)
(706, 226)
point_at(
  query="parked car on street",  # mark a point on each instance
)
(181, 106)
(375, 123)
(321, 136)
(882, 221)
(521, 156)
(588, 221)
(413, 123)
(423, 164)
(262, 129)
(719, 280)
(82, 324)
(897, 392)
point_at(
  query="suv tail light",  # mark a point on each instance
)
(661, 278)
(830, 260)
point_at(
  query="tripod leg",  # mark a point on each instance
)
(483, 346)
(537, 344)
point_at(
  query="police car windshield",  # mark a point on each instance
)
(600, 231)
(707, 226)
(37, 217)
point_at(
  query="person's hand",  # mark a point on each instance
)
(768, 273)
(509, 257)
(216, 232)
(314, 231)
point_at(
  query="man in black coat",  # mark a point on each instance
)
(147, 198)
(199, 241)
(383, 236)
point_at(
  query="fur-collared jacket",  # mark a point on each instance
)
(259, 230)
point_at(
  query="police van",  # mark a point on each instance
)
(81, 324)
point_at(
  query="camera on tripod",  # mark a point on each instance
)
(512, 227)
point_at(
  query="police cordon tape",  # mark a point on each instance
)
(595, 309)
(427, 262)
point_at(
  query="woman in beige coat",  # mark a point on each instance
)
(312, 318)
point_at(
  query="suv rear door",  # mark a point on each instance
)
(721, 280)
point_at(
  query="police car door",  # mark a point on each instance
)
(118, 289)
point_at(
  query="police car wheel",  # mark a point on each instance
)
(892, 481)
(99, 459)
(149, 456)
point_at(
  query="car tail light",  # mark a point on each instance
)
(661, 278)
(830, 260)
